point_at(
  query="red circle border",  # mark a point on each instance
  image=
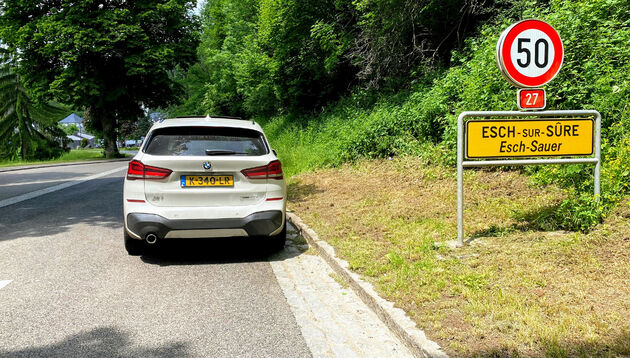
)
(506, 46)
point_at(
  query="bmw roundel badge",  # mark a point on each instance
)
(207, 166)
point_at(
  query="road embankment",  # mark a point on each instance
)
(520, 286)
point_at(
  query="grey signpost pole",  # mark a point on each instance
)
(598, 153)
(461, 163)
(460, 179)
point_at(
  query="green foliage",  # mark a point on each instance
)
(580, 212)
(595, 75)
(616, 172)
(142, 127)
(71, 129)
(112, 58)
(257, 57)
(67, 156)
(28, 128)
(395, 37)
(262, 57)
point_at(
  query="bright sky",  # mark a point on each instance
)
(199, 5)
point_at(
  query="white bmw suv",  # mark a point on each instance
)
(199, 177)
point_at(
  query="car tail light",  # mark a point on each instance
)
(256, 173)
(272, 170)
(137, 170)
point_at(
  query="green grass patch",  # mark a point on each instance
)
(131, 149)
(516, 290)
(73, 155)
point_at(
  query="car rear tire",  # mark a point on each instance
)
(278, 241)
(134, 247)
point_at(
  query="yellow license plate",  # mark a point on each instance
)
(206, 180)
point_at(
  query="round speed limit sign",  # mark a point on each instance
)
(530, 53)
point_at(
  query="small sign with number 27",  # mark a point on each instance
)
(532, 99)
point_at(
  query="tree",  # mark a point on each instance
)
(71, 129)
(112, 58)
(259, 56)
(397, 36)
(25, 123)
(262, 57)
(228, 33)
(142, 127)
(305, 41)
(126, 130)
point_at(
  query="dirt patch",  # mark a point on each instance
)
(514, 291)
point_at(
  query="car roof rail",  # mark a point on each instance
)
(212, 116)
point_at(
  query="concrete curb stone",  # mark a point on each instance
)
(394, 318)
(37, 166)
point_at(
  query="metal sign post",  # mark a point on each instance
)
(529, 54)
(572, 115)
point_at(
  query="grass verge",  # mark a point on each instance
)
(514, 291)
(74, 155)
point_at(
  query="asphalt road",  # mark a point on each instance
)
(19, 182)
(68, 288)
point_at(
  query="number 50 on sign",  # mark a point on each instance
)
(530, 53)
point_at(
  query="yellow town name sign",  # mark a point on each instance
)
(529, 138)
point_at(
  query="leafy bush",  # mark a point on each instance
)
(595, 75)
(70, 129)
(580, 212)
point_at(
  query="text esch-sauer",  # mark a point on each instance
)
(558, 130)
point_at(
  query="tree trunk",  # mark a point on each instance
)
(23, 142)
(23, 148)
(109, 135)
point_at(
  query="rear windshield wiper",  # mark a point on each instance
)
(223, 152)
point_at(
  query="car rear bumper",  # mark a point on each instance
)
(263, 223)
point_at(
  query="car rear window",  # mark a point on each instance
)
(201, 141)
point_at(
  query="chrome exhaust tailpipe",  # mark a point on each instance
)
(151, 239)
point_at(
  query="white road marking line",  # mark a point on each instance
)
(4, 283)
(36, 193)
(34, 182)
